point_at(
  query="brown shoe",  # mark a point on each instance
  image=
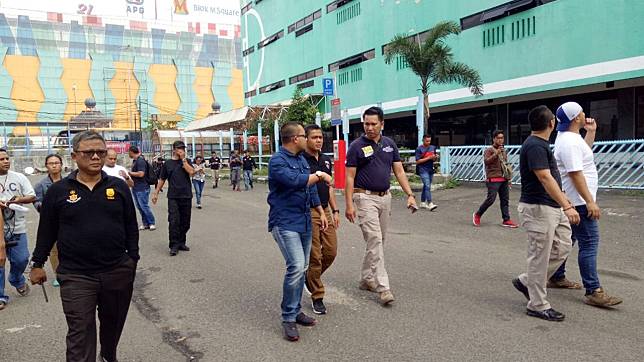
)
(599, 298)
(563, 284)
(386, 297)
(364, 285)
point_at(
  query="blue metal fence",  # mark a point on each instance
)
(620, 164)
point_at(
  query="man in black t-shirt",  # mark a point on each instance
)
(141, 189)
(235, 170)
(248, 165)
(545, 213)
(177, 171)
(215, 164)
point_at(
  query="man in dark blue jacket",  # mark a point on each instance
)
(292, 194)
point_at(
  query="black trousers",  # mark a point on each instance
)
(109, 292)
(493, 188)
(179, 211)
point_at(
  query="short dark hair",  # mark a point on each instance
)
(198, 158)
(497, 132)
(134, 149)
(426, 136)
(86, 136)
(374, 111)
(53, 155)
(310, 128)
(539, 118)
(288, 131)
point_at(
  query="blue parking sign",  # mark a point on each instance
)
(327, 86)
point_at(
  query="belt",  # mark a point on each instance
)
(368, 192)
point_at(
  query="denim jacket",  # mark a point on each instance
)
(289, 197)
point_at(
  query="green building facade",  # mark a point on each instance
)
(528, 52)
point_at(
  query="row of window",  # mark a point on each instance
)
(306, 75)
(500, 11)
(305, 21)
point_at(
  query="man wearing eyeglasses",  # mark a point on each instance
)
(91, 216)
(292, 194)
(14, 189)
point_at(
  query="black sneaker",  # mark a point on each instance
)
(548, 314)
(290, 331)
(184, 247)
(304, 320)
(318, 306)
(520, 287)
(173, 251)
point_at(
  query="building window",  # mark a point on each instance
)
(356, 59)
(248, 51)
(348, 13)
(250, 93)
(524, 28)
(248, 6)
(272, 87)
(350, 76)
(270, 39)
(336, 4)
(419, 38)
(304, 30)
(305, 76)
(308, 84)
(305, 21)
(501, 11)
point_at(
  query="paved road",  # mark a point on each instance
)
(220, 301)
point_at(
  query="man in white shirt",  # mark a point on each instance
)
(576, 165)
(112, 169)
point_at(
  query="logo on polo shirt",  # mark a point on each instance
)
(109, 193)
(73, 197)
(328, 164)
(388, 149)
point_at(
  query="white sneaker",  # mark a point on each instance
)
(143, 227)
(153, 227)
(431, 206)
(423, 205)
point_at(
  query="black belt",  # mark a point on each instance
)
(369, 192)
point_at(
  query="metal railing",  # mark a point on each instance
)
(620, 164)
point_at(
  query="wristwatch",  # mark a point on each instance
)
(36, 264)
(336, 211)
(318, 174)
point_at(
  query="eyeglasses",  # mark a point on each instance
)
(300, 135)
(53, 163)
(91, 153)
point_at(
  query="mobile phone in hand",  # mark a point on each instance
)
(413, 208)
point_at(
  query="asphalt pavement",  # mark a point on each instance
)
(452, 282)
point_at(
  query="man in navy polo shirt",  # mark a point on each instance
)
(292, 194)
(370, 160)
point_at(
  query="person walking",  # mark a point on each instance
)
(425, 157)
(235, 170)
(248, 165)
(177, 171)
(324, 243)
(14, 189)
(54, 165)
(92, 218)
(112, 169)
(497, 179)
(199, 178)
(545, 213)
(156, 168)
(215, 164)
(141, 189)
(292, 194)
(370, 160)
(576, 164)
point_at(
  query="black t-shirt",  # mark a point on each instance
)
(179, 179)
(322, 163)
(248, 163)
(215, 163)
(235, 161)
(373, 162)
(139, 182)
(537, 155)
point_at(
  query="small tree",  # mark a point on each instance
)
(433, 62)
(301, 110)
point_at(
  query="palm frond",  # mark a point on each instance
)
(439, 32)
(456, 72)
(400, 45)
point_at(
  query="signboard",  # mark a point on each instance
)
(327, 86)
(336, 117)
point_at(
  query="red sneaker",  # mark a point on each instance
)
(476, 219)
(510, 224)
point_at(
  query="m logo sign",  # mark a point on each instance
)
(181, 7)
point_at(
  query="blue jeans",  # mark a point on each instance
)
(296, 249)
(18, 257)
(198, 189)
(587, 235)
(248, 179)
(426, 194)
(141, 201)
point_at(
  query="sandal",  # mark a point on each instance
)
(563, 284)
(23, 291)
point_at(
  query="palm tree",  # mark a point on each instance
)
(433, 62)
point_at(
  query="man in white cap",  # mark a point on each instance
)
(579, 178)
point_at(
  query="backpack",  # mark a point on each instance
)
(150, 176)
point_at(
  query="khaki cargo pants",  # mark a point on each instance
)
(324, 248)
(549, 243)
(373, 213)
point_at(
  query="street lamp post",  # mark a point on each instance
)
(69, 132)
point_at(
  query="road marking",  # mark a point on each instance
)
(19, 329)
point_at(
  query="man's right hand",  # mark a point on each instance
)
(326, 178)
(155, 197)
(572, 215)
(350, 213)
(593, 211)
(37, 276)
